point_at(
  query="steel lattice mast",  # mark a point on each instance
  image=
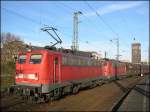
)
(75, 45)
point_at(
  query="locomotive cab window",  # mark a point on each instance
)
(35, 59)
(22, 59)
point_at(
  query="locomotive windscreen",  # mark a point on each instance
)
(35, 59)
(22, 59)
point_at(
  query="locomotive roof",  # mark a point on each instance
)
(56, 52)
(60, 50)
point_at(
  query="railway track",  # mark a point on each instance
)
(116, 106)
(86, 100)
(119, 102)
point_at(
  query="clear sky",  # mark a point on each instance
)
(129, 19)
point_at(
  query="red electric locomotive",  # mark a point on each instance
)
(111, 68)
(49, 74)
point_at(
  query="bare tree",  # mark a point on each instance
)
(10, 46)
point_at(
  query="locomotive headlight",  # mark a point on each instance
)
(19, 76)
(33, 76)
(28, 76)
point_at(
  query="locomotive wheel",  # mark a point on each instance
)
(75, 89)
(57, 94)
(35, 98)
(100, 83)
(46, 98)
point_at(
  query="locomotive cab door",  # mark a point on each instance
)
(56, 69)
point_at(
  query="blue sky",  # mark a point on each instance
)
(128, 19)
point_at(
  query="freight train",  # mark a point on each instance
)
(47, 74)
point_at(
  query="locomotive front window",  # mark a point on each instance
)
(22, 59)
(35, 59)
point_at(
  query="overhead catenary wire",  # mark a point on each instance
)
(62, 33)
(94, 25)
(73, 10)
(28, 19)
(101, 19)
(126, 25)
(20, 15)
(125, 22)
(70, 9)
(39, 22)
